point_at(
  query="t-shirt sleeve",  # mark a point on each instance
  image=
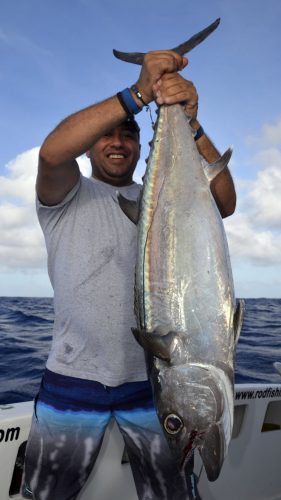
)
(49, 215)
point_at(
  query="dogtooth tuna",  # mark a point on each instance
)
(188, 321)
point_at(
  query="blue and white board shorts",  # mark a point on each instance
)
(68, 425)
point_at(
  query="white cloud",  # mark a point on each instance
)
(262, 247)
(21, 240)
(85, 166)
(270, 135)
(254, 232)
(264, 201)
(18, 180)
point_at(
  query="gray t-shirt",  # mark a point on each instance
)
(91, 249)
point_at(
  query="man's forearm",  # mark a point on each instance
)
(76, 134)
(222, 186)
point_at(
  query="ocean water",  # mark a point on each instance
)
(26, 334)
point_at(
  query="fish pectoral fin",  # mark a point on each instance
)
(217, 167)
(160, 346)
(212, 452)
(238, 319)
(130, 208)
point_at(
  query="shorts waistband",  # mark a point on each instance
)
(64, 392)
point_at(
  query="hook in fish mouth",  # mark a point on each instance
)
(173, 424)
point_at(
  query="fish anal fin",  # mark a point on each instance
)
(217, 167)
(212, 452)
(129, 207)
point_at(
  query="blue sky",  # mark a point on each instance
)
(56, 57)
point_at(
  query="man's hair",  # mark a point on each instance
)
(132, 124)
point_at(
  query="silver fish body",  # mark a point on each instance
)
(187, 318)
(184, 296)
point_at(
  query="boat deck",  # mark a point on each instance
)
(251, 470)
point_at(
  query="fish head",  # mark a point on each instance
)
(192, 410)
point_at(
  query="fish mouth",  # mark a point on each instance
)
(190, 447)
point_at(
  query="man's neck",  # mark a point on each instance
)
(114, 184)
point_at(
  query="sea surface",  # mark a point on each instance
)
(26, 334)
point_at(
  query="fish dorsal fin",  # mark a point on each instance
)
(238, 318)
(130, 208)
(217, 167)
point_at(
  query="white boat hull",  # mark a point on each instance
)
(251, 470)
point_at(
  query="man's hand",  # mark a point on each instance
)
(159, 80)
(155, 66)
(172, 88)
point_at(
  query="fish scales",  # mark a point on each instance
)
(173, 233)
(147, 284)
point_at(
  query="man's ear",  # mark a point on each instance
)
(88, 154)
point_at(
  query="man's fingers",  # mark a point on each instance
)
(156, 65)
(166, 61)
(176, 98)
(175, 89)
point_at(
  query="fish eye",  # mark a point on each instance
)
(173, 424)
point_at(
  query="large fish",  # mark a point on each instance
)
(187, 318)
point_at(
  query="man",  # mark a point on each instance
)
(96, 369)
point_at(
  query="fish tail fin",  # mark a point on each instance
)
(183, 48)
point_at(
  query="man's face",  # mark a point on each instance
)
(115, 155)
